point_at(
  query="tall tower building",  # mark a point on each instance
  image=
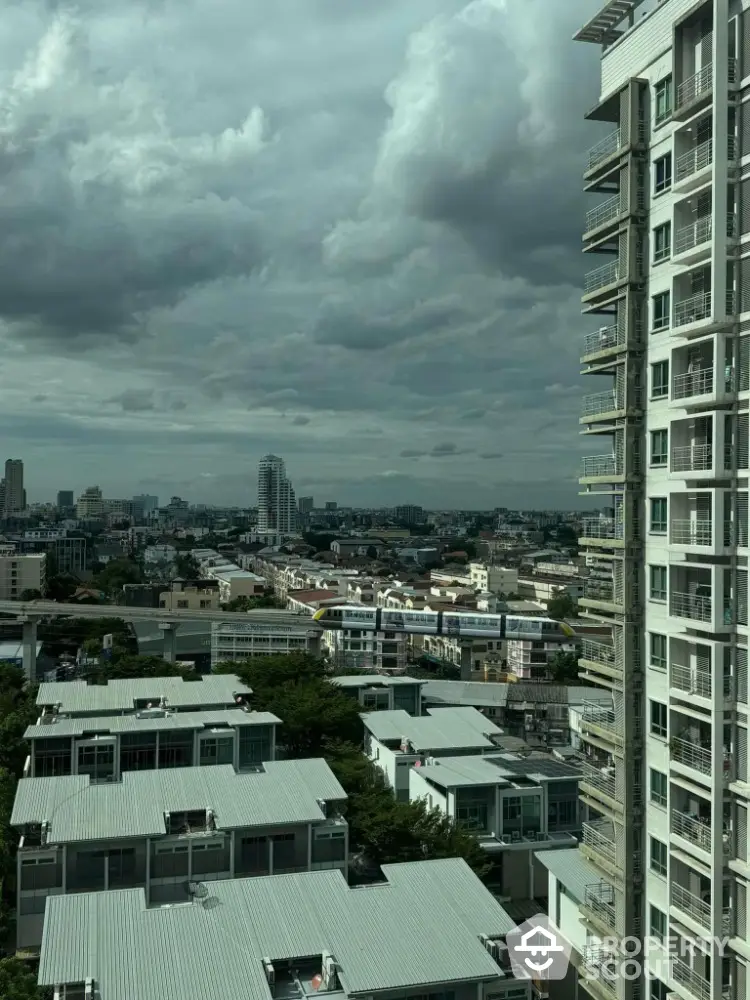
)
(666, 772)
(14, 491)
(277, 513)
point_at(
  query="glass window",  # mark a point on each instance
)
(658, 787)
(663, 100)
(663, 173)
(658, 717)
(659, 379)
(657, 990)
(658, 651)
(660, 311)
(660, 447)
(657, 923)
(657, 590)
(658, 516)
(662, 242)
(658, 857)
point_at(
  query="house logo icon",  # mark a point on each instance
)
(537, 950)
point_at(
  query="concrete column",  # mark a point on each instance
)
(466, 660)
(170, 634)
(28, 624)
(313, 643)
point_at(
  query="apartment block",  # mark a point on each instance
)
(666, 772)
(158, 829)
(529, 659)
(233, 581)
(20, 572)
(189, 597)
(105, 748)
(431, 929)
(493, 579)
(377, 693)
(279, 634)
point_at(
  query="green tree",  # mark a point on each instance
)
(116, 574)
(246, 603)
(561, 606)
(130, 666)
(62, 587)
(320, 541)
(186, 566)
(564, 668)
(18, 982)
(31, 595)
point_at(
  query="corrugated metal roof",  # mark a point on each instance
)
(286, 791)
(120, 695)
(368, 680)
(439, 729)
(108, 724)
(571, 869)
(419, 929)
(491, 769)
(500, 695)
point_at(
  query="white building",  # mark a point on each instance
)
(383, 694)
(493, 579)
(20, 572)
(186, 598)
(233, 581)
(529, 659)
(234, 642)
(667, 781)
(90, 503)
(277, 506)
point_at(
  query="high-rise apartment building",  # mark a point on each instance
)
(14, 495)
(65, 499)
(277, 513)
(305, 505)
(666, 772)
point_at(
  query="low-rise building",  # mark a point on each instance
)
(233, 581)
(377, 693)
(493, 579)
(191, 597)
(431, 930)
(106, 747)
(21, 572)
(395, 740)
(282, 633)
(163, 828)
(530, 660)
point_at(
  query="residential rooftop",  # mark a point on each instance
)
(373, 680)
(420, 928)
(571, 869)
(513, 695)
(282, 792)
(79, 697)
(440, 728)
(505, 769)
(109, 725)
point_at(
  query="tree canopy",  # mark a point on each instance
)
(561, 606)
(116, 574)
(245, 603)
(18, 982)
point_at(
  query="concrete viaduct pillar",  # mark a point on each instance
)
(29, 641)
(170, 636)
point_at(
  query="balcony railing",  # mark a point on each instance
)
(697, 158)
(696, 908)
(689, 755)
(598, 652)
(691, 680)
(692, 981)
(602, 213)
(692, 235)
(732, 454)
(685, 532)
(692, 309)
(696, 607)
(695, 86)
(599, 402)
(599, 590)
(604, 148)
(695, 383)
(599, 898)
(602, 276)
(600, 466)
(602, 527)
(735, 532)
(692, 458)
(602, 340)
(692, 829)
(602, 779)
(598, 841)
(603, 719)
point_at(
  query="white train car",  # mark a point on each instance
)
(471, 625)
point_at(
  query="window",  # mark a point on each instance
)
(658, 516)
(663, 173)
(660, 311)
(658, 718)
(658, 857)
(658, 651)
(662, 242)
(663, 100)
(657, 990)
(658, 788)
(657, 923)
(660, 447)
(657, 590)
(660, 379)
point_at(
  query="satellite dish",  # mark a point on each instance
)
(198, 890)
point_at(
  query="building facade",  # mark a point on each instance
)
(14, 493)
(20, 572)
(232, 642)
(277, 507)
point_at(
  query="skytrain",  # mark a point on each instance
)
(455, 623)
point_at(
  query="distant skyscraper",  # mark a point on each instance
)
(14, 492)
(144, 505)
(65, 499)
(305, 505)
(277, 513)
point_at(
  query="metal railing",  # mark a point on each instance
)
(685, 532)
(687, 679)
(689, 755)
(695, 86)
(602, 779)
(697, 158)
(599, 402)
(692, 606)
(602, 527)
(599, 898)
(692, 458)
(692, 829)
(604, 719)
(599, 590)
(692, 981)
(599, 466)
(594, 839)
(602, 340)
(605, 148)
(597, 652)
(602, 213)
(731, 452)
(602, 276)
(732, 226)
(731, 147)
(695, 383)
(692, 309)
(692, 235)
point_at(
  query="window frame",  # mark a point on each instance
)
(662, 432)
(658, 719)
(664, 319)
(657, 590)
(657, 928)
(656, 796)
(663, 164)
(660, 389)
(661, 239)
(655, 660)
(655, 863)
(658, 526)
(663, 95)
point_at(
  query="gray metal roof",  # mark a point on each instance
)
(490, 769)
(420, 928)
(285, 791)
(373, 680)
(570, 868)
(513, 695)
(120, 695)
(439, 729)
(110, 724)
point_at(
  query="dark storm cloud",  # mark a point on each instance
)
(491, 454)
(134, 400)
(300, 421)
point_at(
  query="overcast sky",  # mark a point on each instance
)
(345, 231)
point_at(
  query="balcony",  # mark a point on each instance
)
(694, 830)
(696, 159)
(598, 652)
(690, 980)
(599, 403)
(695, 383)
(692, 235)
(602, 214)
(600, 467)
(605, 148)
(604, 339)
(692, 458)
(601, 722)
(601, 277)
(599, 900)
(600, 590)
(687, 753)
(602, 529)
(598, 840)
(695, 607)
(686, 532)
(691, 681)
(691, 310)
(696, 86)
(698, 910)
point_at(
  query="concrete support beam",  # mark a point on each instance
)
(29, 641)
(170, 644)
